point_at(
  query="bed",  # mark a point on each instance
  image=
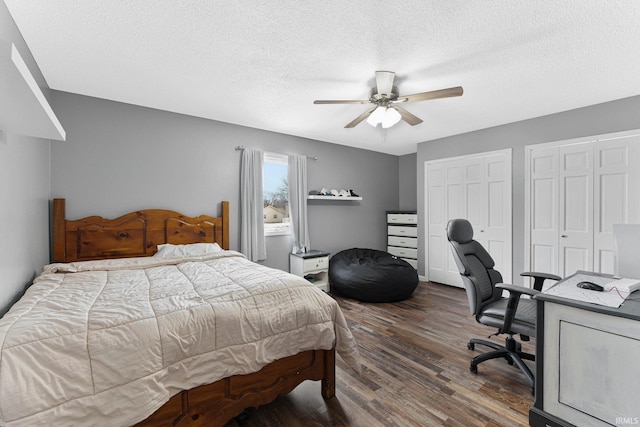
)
(115, 332)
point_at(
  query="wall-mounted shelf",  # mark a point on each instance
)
(340, 198)
(24, 110)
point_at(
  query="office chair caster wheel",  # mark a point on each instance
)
(473, 368)
(471, 346)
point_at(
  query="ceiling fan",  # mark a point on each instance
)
(386, 110)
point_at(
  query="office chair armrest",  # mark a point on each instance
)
(515, 291)
(539, 278)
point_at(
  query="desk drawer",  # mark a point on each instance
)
(398, 230)
(407, 242)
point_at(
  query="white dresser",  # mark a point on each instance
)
(402, 235)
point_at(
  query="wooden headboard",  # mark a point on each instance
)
(132, 235)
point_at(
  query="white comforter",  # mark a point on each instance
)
(108, 342)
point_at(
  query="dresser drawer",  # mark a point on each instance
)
(412, 262)
(315, 264)
(402, 218)
(398, 230)
(407, 242)
(403, 252)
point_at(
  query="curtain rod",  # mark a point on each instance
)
(241, 147)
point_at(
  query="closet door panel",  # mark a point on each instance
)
(476, 195)
(455, 208)
(497, 227)
(614, 194)
(437, 243)
(576, 208)
(544, 232)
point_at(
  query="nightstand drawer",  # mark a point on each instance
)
(407, 242)
(403, 252)
(315, 264)
(402, 218)
(398, 230)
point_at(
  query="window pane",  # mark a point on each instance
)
(276, 195)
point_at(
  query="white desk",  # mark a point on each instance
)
(588, 362)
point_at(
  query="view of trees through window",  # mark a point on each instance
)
(276, 195)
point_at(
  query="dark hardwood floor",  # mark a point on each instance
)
(415, 371)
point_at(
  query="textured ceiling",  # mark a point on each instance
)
(262, 63)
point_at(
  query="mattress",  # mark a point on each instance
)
(108, 342)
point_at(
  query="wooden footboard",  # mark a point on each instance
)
(215, 404)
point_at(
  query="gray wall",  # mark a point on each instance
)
(603, 118)
(24, 193)
(120, 157)
(408, 184)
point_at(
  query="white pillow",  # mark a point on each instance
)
(194, 249)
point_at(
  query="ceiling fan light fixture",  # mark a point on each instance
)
(376, 117)
(391, 117)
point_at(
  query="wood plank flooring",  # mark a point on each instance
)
(415, 371)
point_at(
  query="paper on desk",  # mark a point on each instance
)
(609, 297)
(624, 285)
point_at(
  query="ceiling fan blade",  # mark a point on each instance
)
(434, 94)
(337, 101)
(407, 116)
(384, 82)
(360, 118)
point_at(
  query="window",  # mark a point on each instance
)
(276, 195)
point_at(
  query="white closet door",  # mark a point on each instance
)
(477, 188)
(614, 186)
(543, 196)
(455, 207)
(576, 208)
(436, 243)
(475, 198)
(496, 227)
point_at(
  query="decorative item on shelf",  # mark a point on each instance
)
(325, 194)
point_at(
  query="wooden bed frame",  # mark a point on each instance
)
(138, 234)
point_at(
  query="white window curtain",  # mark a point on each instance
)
(298, 202)
(252, 243)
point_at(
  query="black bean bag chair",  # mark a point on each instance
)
(372, 276)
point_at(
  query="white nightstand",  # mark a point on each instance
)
(313, 266)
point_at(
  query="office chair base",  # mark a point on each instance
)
(511, 351)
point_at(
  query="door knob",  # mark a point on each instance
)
(564, 235)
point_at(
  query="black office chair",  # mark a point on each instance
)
(484, 290)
